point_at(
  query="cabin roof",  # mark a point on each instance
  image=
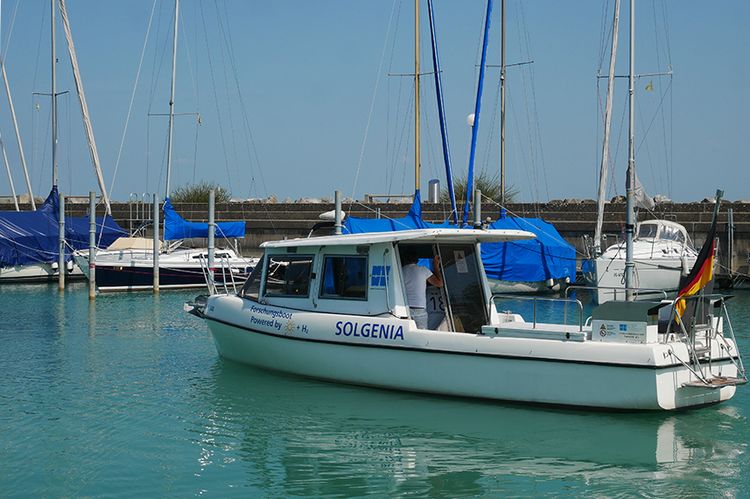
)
(416, 235)
(662, 222)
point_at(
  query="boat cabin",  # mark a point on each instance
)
(360, 274)
(663, 230)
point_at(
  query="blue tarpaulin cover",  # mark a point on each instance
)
(28, 237)
(176, 227)
(412, 220)
(548, 256)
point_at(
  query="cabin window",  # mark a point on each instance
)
(251, 288)
(344, 277)
(288, 275)
(647, 231)
(672, 234)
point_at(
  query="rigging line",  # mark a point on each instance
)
(613, 163)
(132, 99)
(69, 170)
(10, 30)
(557, 237)
(661, 108)
(489, 144)
(390, 152)
(215, 94)
(399, 159)
(230, 115)
(186, 43)
(643, 143)
(157, 62)
(655, 115)
(252, 150)
(605, 32)
(393, 159)
(670, 168)
(530, 110)
(534, 108)
(43, 17)
(378, 77)
(667, 38)
(195, 147)
(44, 150)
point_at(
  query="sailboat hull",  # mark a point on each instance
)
(133, 270)
(36, 273)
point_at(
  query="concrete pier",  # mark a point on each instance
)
(574, 219)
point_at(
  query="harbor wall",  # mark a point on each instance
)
(573, 219)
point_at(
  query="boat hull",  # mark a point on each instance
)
(133, 270)
(455, 364)
(37, 273)
(525, 287)
(662, 274)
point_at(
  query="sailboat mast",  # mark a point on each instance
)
(441, 112)
(630, 182)
(417, 144)
(502, 104)
(604, 167)
(171, 96)
(54, 97)
(477, 109)
(87, 126)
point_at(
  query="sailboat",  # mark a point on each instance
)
(30, 249)
(656, 253)
(521, 266)
(543, 264)
(128, 263)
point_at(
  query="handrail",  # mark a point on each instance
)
(534, 299)
(615, 289)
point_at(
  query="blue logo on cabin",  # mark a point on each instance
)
(623, 327)
(380, 275)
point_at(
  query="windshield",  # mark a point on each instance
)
(646, 231)
(252, 285)
(672, 234)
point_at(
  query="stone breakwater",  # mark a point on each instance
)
(573, 218)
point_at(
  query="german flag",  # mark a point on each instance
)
(702, 273)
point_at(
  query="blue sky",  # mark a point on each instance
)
(285, 91)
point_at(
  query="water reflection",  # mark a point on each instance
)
(294, 436)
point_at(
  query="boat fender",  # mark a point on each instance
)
(550, 282)
(685, 267)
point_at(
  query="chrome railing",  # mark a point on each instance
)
(615, 289)
(535, 299)
(690, 331)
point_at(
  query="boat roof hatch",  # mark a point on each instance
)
(417, 235)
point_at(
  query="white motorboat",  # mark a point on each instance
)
(127, 265)
(659, 250)
(662, 253)
(334, 308)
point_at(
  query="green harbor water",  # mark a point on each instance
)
(128, 397)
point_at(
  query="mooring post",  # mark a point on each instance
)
(92, 245)
(477, 208)
(211, 235)
(156, 244)
(61, 246)
(337, 226)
